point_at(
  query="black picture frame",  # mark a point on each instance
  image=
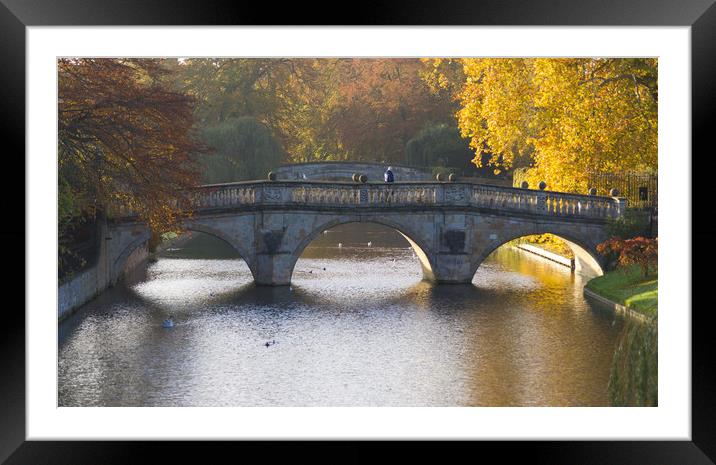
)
(700, 15)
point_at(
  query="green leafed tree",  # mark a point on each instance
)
(244, 149)
(441, 145)
(438, 145)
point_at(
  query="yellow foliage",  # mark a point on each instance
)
(550, 242)
(572, 115)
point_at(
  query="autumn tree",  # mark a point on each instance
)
(125, 141)
(382, 104)
(639, 251)
(235, 87)
(319, 108)
(306, 121)
(569, 116)
(291, 96)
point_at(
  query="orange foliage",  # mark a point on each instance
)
(125, 140)
(638, 251)
(382, 104)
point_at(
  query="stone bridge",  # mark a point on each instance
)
(452, 226)
(343, 171)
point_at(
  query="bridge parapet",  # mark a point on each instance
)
(297, 194)
(546, 202)
(224, 196)
(407, 194)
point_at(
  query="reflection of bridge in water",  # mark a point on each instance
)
(452, 226)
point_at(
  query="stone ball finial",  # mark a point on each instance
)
(452, 177)
(363, 178)
(439, 177)
(592, 191)
(614, 192)
(525, 185)
(542, 185)
(272, 176)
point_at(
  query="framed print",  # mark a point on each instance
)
(419, 227)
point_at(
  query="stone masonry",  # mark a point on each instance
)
(452, 226)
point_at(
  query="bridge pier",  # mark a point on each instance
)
(273, 269)
(452, 269)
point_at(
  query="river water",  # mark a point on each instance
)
(357, 327)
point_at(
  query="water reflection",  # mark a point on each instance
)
(357, 327)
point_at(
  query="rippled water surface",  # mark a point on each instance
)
(358, 327)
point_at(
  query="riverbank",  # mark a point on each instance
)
(549, 247)
(626, 291)
(551, 256)
(627, 288)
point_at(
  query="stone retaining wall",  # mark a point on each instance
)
(77, 291)
(631, 313)
(88, 284)
(551, 256)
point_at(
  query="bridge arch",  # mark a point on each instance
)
(226, 237)
(121, 260)
(419, 246)
(584, 250)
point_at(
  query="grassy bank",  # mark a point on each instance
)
(629, 288)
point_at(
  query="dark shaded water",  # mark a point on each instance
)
(358, 327)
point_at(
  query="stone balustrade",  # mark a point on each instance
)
(224, 196)
(546, 202)
(405, 194)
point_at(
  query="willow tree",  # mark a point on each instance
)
(570, 116)
(244, 149)
(438, 145)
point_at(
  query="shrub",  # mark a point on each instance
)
(438, 145)
(441, 170)
(638, 251)
(632, 223)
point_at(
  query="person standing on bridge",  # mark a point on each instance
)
(389, 175)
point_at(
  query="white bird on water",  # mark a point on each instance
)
(340, 244)
(370, 244)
